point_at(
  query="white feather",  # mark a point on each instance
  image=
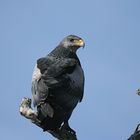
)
(36, 74)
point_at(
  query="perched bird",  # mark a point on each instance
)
(58, 84)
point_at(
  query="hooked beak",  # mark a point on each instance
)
(80, 43)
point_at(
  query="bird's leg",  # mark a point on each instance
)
(66, 126)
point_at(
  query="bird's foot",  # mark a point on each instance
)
(26, 111)
(66, 127)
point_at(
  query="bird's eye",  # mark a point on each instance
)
(71, 40)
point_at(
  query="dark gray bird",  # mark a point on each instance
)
(58, 84)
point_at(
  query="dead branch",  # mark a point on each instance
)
(27, 112)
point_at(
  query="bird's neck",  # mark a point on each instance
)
(61, 52)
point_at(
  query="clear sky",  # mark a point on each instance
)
(30, 29)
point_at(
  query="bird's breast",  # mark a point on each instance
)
(77, 77)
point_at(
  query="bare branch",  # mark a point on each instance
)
(29, 113)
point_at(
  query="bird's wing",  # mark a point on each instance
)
(56, 70)
(48, 74)
(39, 88)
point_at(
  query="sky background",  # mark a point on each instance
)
(30, 29)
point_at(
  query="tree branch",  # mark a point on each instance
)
(27, 112)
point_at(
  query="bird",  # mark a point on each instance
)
(138, 92)
(58, 84)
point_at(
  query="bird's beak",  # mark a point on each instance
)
(80, 43)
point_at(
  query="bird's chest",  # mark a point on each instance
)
(77, 78)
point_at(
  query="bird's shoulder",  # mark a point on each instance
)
(55, 62)
(44, 63)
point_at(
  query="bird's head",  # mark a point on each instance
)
(72, 42)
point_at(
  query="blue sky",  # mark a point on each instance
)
(30, 29)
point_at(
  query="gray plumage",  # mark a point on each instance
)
(58, 83)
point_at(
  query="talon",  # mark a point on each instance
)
(66, 126)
